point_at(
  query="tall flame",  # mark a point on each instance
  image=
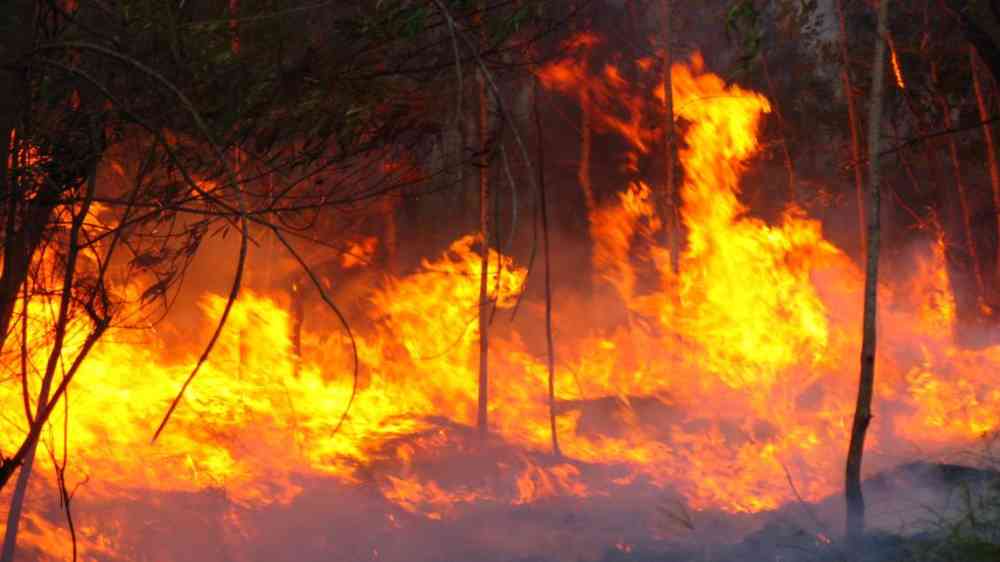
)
(735, 375)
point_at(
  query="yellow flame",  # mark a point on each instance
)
(739, 366)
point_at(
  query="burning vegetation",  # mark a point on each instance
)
(272, 323)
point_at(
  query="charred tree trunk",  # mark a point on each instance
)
(855, 519)
(298, 317)
(669, 198)
(484, 231)
(24, 220)
(789, 165)
(391, 235)
(991, 158)
(583, 173)
(45, 402)
(17, 501)
(26, 227)
(963, 196)
(544, 217)
(852, 114)
(980, 23)
(234, 48)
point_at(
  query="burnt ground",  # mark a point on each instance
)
(917, 512)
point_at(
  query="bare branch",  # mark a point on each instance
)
(329, 302)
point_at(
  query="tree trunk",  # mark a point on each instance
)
(669, 198)
(484, 231)
(852, 114)
(855, 519)
(298, 317)
(963, 196)
(980, 23)
(20, 488)
(991, 155)
(583, 172)
(25, 221)
(45, 404)
(544, 216)
(391, 235)
(17, 503)
(234, 48)
(789, 165)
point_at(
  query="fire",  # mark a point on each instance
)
(897, 70)
(735, 373)
(738, 271)
(761, 322)
(359, 253)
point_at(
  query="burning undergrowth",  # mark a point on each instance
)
(682, 411)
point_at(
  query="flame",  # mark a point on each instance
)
(359, 252)
(761, 322)
(732, 376)
(897, 70)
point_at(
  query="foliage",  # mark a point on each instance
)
(189, 120)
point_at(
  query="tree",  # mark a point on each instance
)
(991, 151)
(311, 98)
(484, 269)
(543, 217)
(960, 188)
(980, 23)
(852, 118)
(668, 198)
(855, 520)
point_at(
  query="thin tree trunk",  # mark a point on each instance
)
(852, 114)
(855, 519)
(17, 499)
(21, 247)
(910, 175)
(21, 244)
(17, 505)
(544, 215)
(269, 241)
(484, 231)
(963, 196)
(298, 317)
(991, 153)
(55, 356)
(789, 165)
(8, 189)
(18, 17)
(391, 234)
(234, 48)
(669, 199)
(583, 173)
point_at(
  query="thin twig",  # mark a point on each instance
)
(507, 117)
(240, 197)
(798, 496)
(343, 320)
(24, 355)
(544, 216)
(45, 405)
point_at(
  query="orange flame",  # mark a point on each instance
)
(740, 365)
(897, 70)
